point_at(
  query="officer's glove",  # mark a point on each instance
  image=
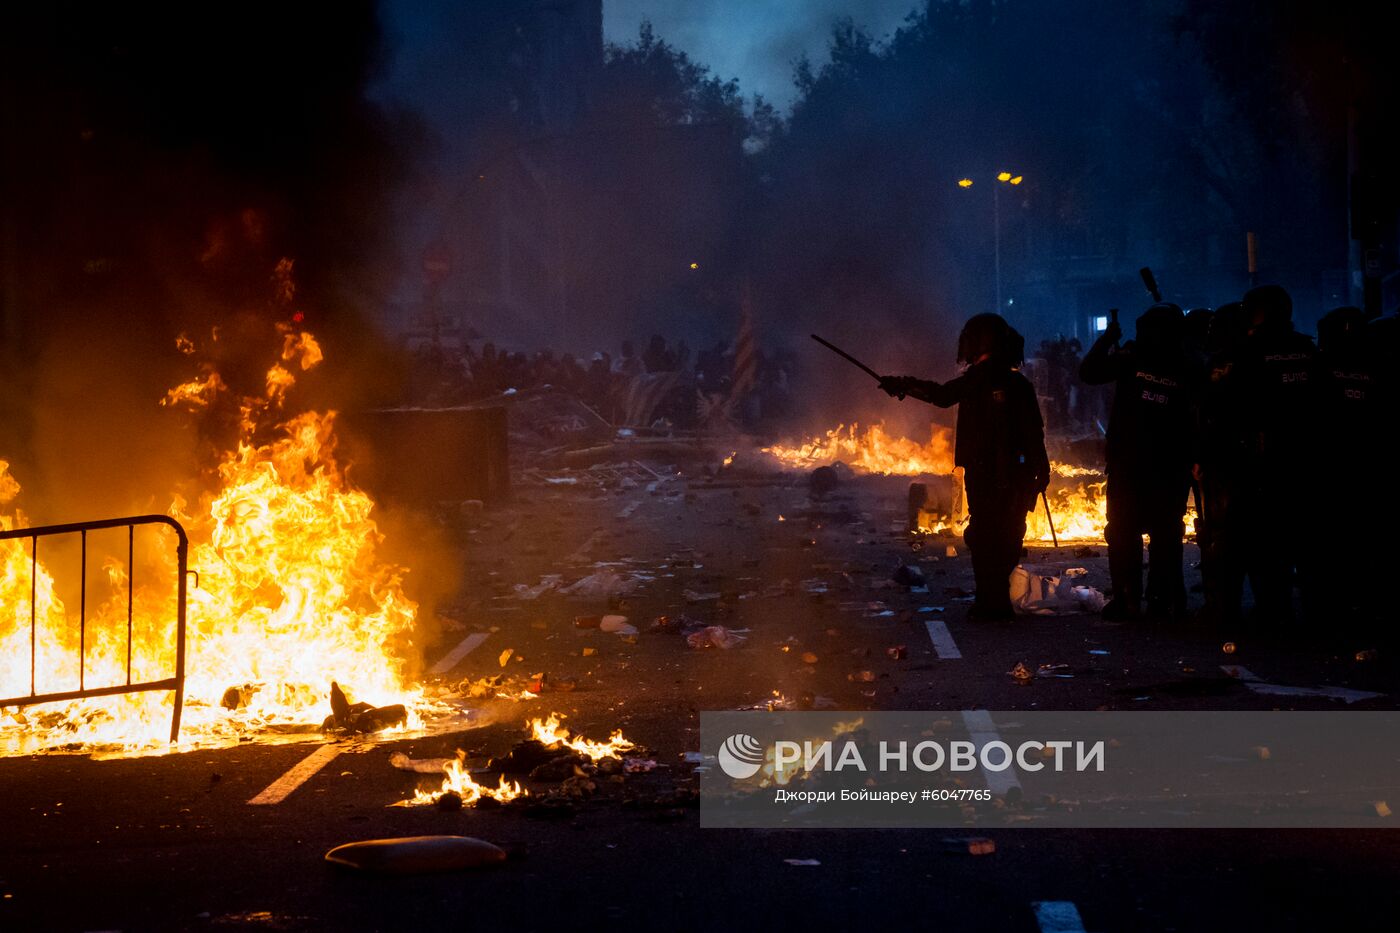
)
(897, 386)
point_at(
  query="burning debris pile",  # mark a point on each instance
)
(291, 593)
(550, 754)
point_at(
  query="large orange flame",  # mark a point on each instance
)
(292, 594)
(871, 451)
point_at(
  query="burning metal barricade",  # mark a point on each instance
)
(175, 683)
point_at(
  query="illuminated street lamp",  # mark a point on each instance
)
(1005, 178)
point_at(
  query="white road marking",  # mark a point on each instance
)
(981, 730)
(629, 509)
(943, 644)
(1057, 917)
(455, 656)
(1252, 681)
(1332, 693)
(280, 789)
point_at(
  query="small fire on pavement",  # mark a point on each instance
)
(461, 789)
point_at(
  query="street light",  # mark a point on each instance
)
(1005, 178)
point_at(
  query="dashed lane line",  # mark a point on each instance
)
(455, 656)
(1252, 681)
(943, 644)
(297, 775)
(981, 730)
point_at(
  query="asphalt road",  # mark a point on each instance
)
(171, 842)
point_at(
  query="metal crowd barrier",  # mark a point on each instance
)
(175, 683)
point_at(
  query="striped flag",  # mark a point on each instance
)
(644, 393)
(745, 354)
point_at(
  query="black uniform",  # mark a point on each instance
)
(1352, 399)
(1001, 448)
(1220, 453)
(1149, 458)
(1273, 385)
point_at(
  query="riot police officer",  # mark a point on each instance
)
(1000, 446)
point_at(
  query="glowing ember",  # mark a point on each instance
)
(457, 780)
(871, 451)
(291, 594)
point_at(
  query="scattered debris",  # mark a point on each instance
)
(419, 765)
(361, 717)
(500, 686)
(1037, 592)
(547, 583)
(909, 575)
(601, 584)
(238, 697)
(616, 625)
(715, 636)
(823, 481)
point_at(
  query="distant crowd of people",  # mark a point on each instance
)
(666, 383)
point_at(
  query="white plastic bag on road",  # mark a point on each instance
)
(1036, 592)
(601, 584)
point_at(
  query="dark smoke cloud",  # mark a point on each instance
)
(155, 164)
(756, 41)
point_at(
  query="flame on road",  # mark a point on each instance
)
(457, 780)
(548, 732)
(551, 734)
(871, 450)
(1077, 496)
(292, 593)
